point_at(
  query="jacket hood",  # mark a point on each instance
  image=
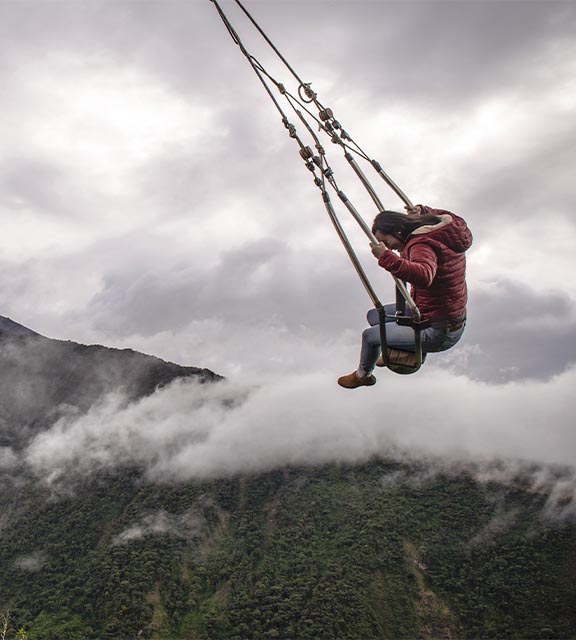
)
(451, 231)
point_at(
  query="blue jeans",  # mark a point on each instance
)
(399, 337)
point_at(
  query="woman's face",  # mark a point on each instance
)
(389, 240)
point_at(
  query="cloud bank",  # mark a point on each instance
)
(189, 431)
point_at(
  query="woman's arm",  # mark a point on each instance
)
(418, 268)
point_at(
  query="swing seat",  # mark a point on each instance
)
(399, 361)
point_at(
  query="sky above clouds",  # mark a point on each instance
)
(152, 199)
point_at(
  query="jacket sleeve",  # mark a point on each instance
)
(418, 267)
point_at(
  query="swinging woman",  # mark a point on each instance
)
(431, 245)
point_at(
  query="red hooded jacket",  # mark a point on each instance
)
(433, 262)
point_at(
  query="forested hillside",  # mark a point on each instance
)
(378, 550)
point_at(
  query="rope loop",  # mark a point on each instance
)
(305, 92)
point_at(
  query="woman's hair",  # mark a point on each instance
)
(401, 225)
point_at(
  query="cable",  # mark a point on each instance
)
(331, 127)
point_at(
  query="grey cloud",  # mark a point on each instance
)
(400, 38)
(514, 332)
(41, 186)
(258, 281)
(491, 38)
(521, 333)
(234, 164)
(397, 51)
(537, 186)
(168, 38)
(488, 46)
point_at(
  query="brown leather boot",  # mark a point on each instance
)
(353, 380)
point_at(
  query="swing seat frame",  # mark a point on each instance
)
(400, 361)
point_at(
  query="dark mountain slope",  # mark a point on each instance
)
(38, 375)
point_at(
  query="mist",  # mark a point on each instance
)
(189, 431)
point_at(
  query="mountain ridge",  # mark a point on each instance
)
(9, 327)
(40, 374)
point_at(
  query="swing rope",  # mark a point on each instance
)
(331, 127)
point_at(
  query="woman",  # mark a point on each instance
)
(431, 245)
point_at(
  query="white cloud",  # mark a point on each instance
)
(184, 525)
(31, 562)
(100, 117)
(8, 459)
(78, 133)
(190, 431)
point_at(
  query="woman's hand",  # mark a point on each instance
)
(417, 210)
(378, 249)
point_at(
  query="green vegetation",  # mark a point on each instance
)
(372, 551)
(7, 632)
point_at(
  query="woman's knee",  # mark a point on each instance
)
(371, 336)
(373, 317)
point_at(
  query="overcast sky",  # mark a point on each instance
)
(151, 198)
